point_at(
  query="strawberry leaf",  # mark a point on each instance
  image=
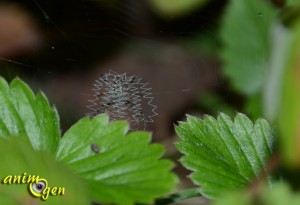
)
(223, 154)
(119, 168)
(22, 113)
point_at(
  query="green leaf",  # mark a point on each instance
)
(23, 113)
(289, 109)
(293, 2)
(253, 107)
(281, 43)
(126, 170)
(245, 36)
(20, 158)
(223, 154)
(279, 194)
(176, 8)
(233, 198)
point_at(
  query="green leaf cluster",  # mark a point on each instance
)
(126, 170)
(97, 160)
(116, 167)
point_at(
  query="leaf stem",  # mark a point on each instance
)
(190, 193)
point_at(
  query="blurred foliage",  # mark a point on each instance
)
(206, 43)
(293, 2)
(280, 194)
(289, 114)
(214, 104)
(272, 90)
(176, 8)
(21, 158)
(234, 198)
(253, 106)
(224, 155)
(246, 46)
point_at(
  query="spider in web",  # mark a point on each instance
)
(123, 97)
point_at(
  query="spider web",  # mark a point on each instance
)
(121, 98)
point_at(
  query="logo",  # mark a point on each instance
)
(38, 187)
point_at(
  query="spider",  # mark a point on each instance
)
(123, 97)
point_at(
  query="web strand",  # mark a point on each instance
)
(123, 97)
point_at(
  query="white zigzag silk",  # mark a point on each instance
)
(123, 97)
